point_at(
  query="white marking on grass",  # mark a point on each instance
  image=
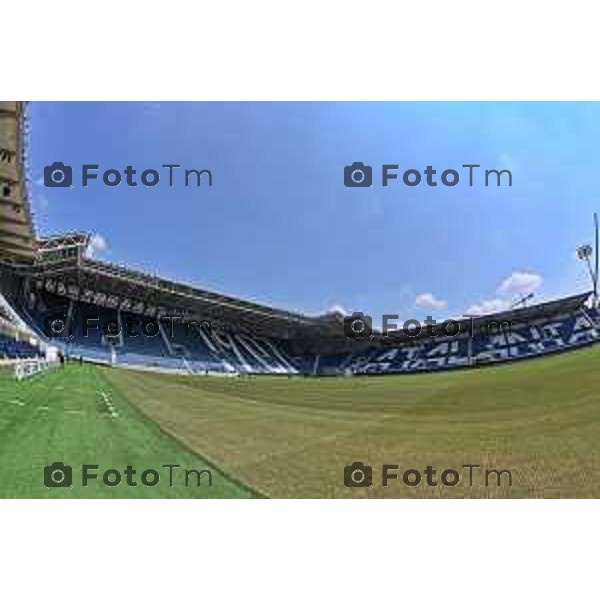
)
(42, 408)
(111, 409)
(17, 402)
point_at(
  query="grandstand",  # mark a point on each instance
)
(17, 237)
(16, 339)
(543, 329)
(104, 309)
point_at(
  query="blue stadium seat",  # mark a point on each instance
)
(177, 346)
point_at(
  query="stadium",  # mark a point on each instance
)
(116, 367)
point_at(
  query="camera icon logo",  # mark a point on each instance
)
(358, 475)
(358, 325)
(58, 175)
(59, 326)
(58, 475)
(358, 175)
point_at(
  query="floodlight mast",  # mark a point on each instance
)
(596, 266)
(585, 252)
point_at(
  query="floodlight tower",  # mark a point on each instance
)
(596, 261)
(585, 252)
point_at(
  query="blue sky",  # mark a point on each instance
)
(278, 225)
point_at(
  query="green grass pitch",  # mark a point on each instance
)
(61, 415)
(281, 438)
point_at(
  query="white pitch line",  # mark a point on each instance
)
(111, 409)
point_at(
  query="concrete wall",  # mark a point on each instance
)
(17, 238)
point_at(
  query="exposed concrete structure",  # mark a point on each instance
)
(17, 236)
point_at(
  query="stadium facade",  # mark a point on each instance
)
(53, 293)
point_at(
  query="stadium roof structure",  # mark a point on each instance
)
(64, 264)
(528, 314)
(17, 235)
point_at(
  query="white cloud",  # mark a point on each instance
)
(428, 300)
(486, 307)
(97, 245)
(521, 282)
(337, 308)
